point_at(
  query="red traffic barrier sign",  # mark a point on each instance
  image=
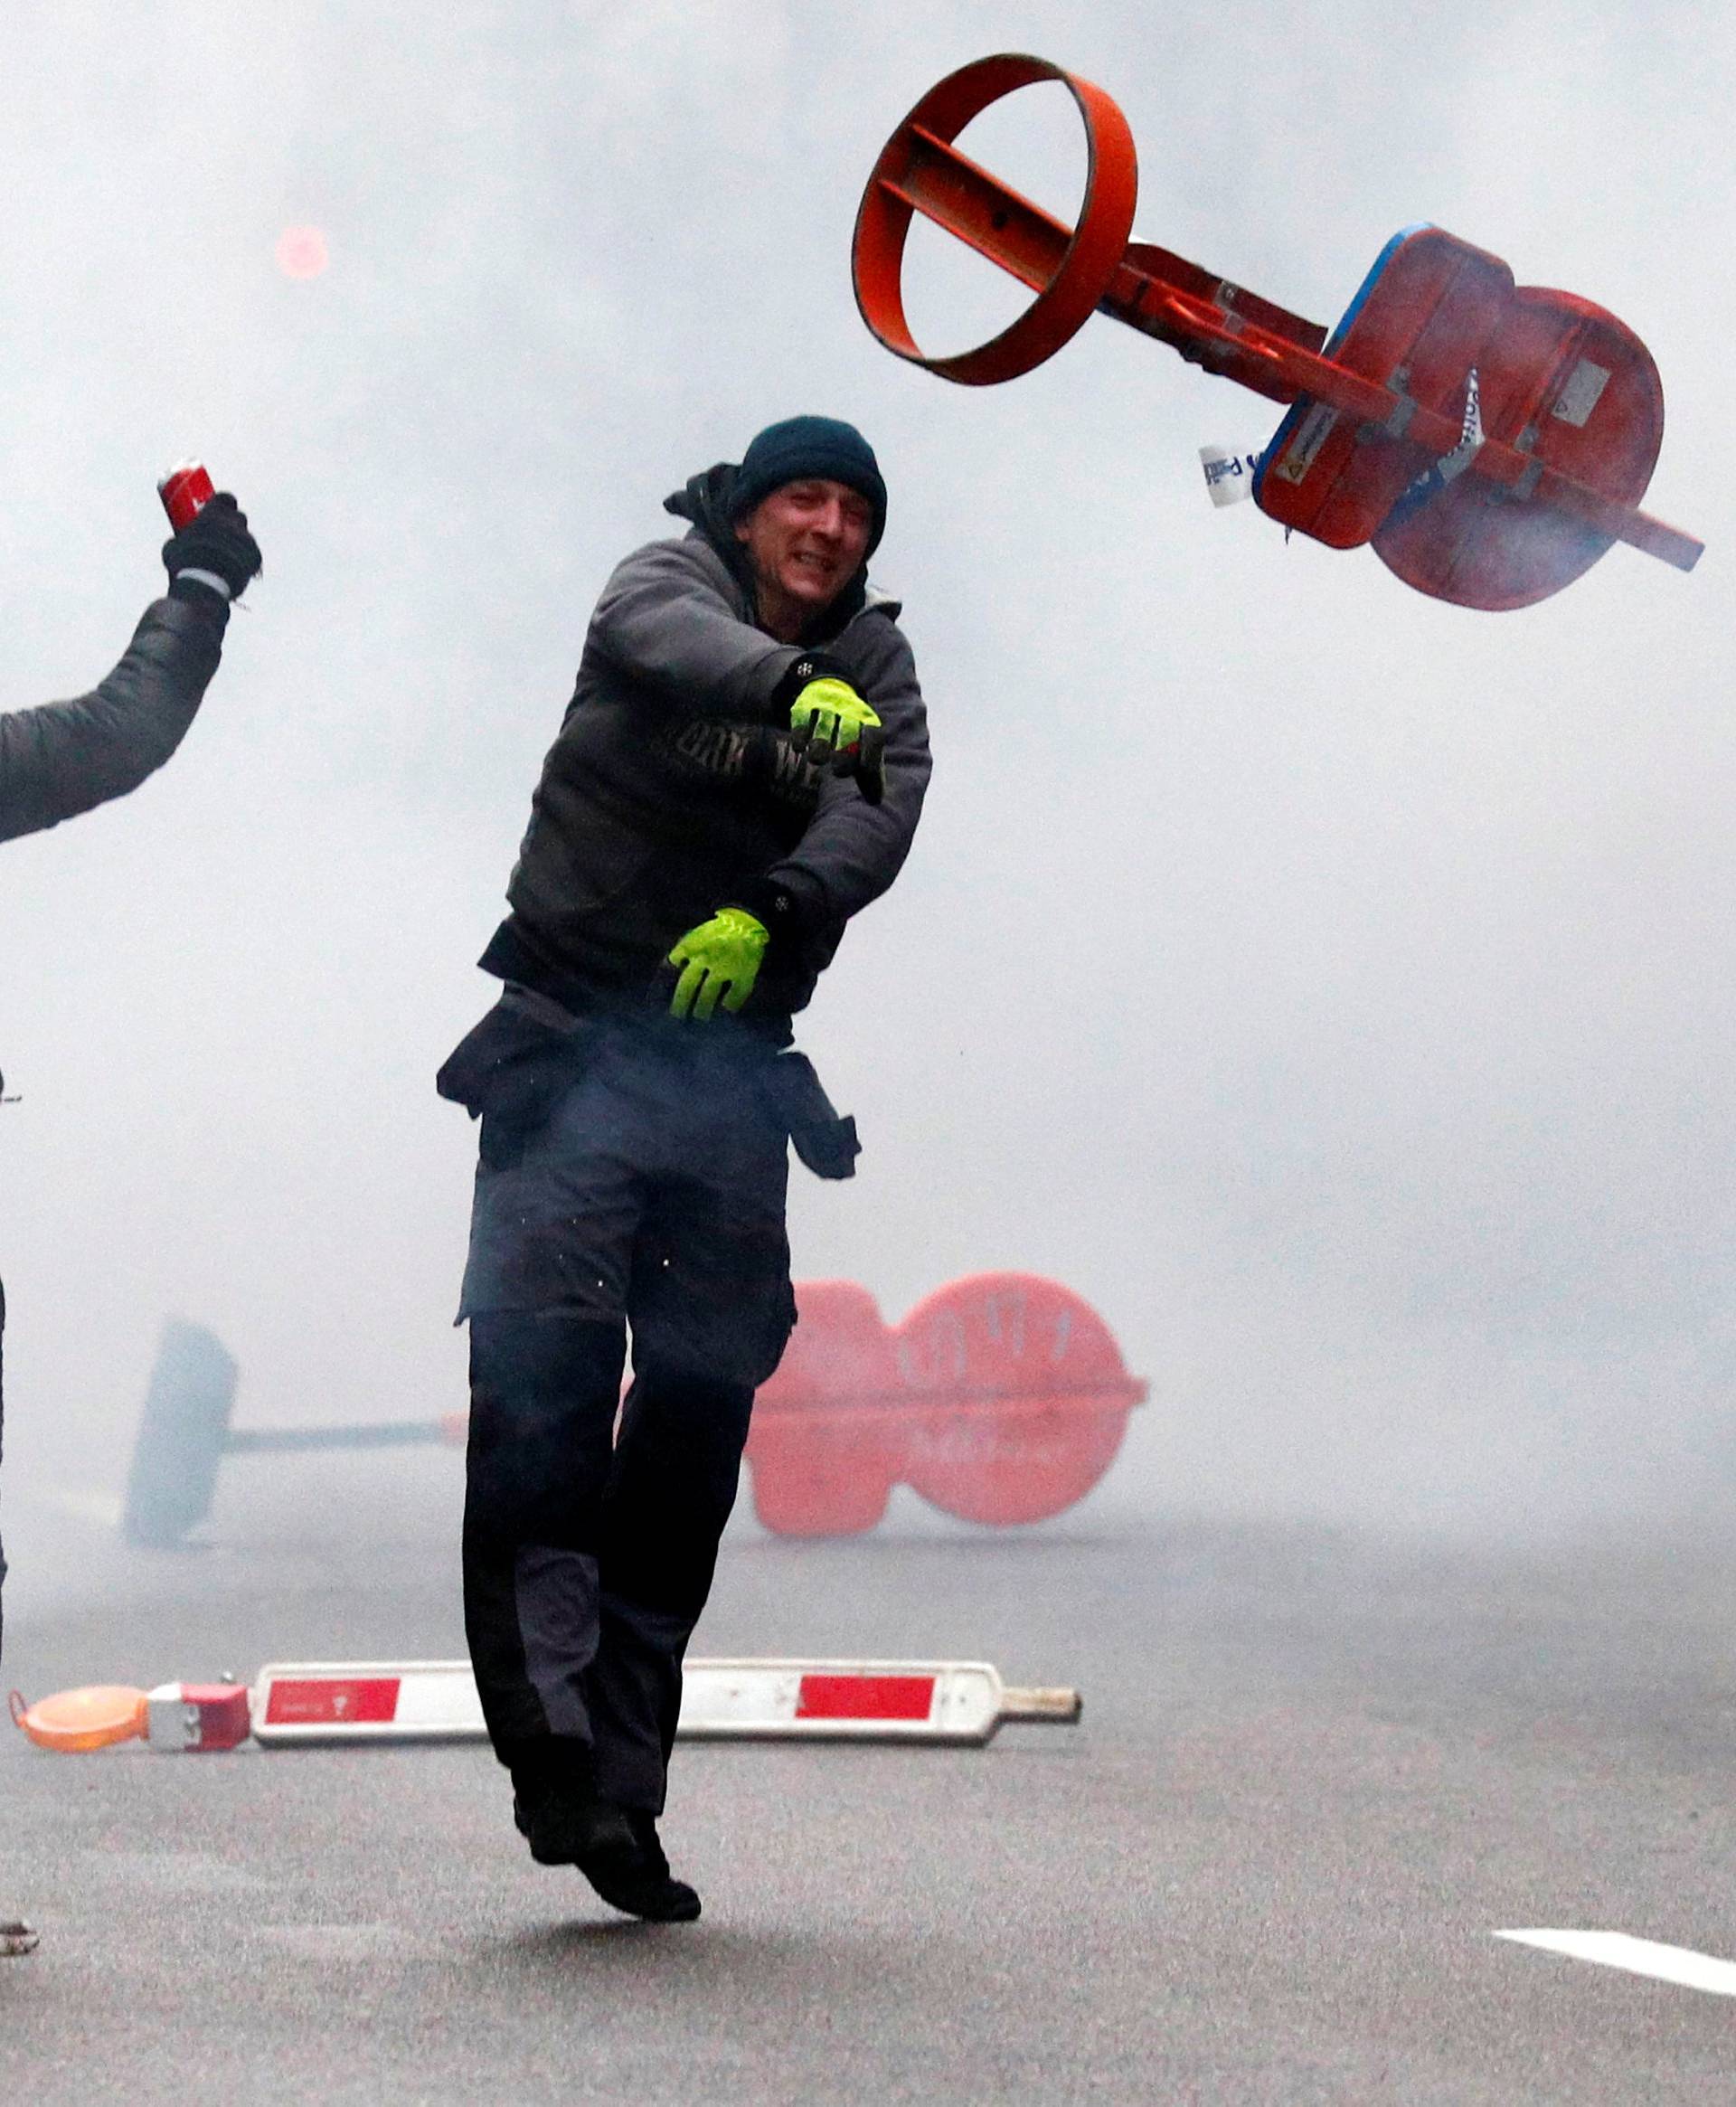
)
(1491, 441)
(1024, 1399)
(1002, 1399)
(825, 1444)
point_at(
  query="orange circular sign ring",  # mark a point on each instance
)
(1099, 243)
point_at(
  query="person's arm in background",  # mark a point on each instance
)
(65, 757)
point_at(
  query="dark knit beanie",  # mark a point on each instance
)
(801, 446)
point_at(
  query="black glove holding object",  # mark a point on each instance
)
(216, 544)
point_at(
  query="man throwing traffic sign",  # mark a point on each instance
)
(741, 769)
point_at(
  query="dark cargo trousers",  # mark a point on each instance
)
(648, 1193)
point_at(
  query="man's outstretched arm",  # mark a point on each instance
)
(62, 758)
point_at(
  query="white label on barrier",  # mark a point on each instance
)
(1435, 478)
(1582, 393)
(1228, 478)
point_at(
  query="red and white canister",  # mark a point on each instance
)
(185, 492)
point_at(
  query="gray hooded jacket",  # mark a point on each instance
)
(673, 781)
(63, 758)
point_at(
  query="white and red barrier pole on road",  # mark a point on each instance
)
(963, 1703)
(298, 1703)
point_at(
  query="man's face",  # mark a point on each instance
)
(807, 541)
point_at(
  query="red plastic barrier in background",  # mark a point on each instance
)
(1001, 1398)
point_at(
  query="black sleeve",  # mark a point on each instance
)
(64, 758)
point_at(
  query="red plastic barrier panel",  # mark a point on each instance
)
(824, 1445)
(1025, 1397)
(1491, 439)
(1567, 395)
(1002, 1398)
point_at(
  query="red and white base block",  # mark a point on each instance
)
(960, 1703)
(187, 1718)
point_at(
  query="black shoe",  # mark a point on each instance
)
(642, 1885)
(568, 1828)
(18, 1939)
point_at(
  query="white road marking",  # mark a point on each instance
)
(1677, 1964)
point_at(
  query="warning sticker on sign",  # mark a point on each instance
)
(1304, 449)
(1579, 399)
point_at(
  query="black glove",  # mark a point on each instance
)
(217, 543)
(867, 764)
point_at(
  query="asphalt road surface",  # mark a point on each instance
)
(1316, 1774)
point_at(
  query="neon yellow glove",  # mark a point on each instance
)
(719, 962)
(829, 721)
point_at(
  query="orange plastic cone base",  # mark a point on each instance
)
(73, 1721)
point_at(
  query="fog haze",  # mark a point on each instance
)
(1331, 985)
